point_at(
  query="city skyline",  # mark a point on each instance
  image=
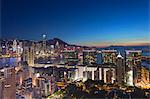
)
(74, 49)
(86, 22)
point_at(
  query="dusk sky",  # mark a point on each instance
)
(83, 22)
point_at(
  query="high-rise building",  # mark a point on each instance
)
(14, 45)
(4, 50)
(57, 45)
(109, 56)
(27, 83)
(89, 57)
(86, 72)
(145, 78)
(19, 49)
(23, 73)
(120, 69)
(70, 57)
(1, 87)
(8, 84)
(107, 73)
(28, 55)
(44, 42)
(133, 66)
(101, 72)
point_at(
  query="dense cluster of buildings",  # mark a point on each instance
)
(41, 68)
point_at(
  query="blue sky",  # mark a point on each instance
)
(84, 22)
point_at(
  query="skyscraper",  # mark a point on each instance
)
(1, 87)
(14, 45)
(28, 54)
(109, 56)
(133, 66)
(120, 69)
(8, 84)
(70, 57)
(44, 42)
(89, 57)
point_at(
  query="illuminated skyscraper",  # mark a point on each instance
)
(19, 49)
(28, 55)
(89, 57)
(8, 83)
(1, 87)
(70, 57)
(14, 45)
(133, 66)
(120, 69)
(57, 45)
(109, 56)
(44, 42)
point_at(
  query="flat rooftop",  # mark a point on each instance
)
(108, 51)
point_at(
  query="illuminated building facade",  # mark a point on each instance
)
(85, 72)
(3, 48)
(80, 58)
(44, 43)
(8, 83)
(133, 66)
(120, 69)
(19, 50)
(109, 56)
(145, 78)
(11, 48)
(107, 73)
(27, 84)
(28, 55)
(89, 57)
(70, 57)
(45, 80)
(22, 73)
(1, 87)
(102, 72)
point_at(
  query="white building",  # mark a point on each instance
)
(95, 73)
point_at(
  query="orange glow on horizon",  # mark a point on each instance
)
(105, 44)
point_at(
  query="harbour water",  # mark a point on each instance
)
(8, 62)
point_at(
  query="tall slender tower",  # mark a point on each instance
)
(44, 42)
(14, 45)
(28, 54)
(120, 69)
